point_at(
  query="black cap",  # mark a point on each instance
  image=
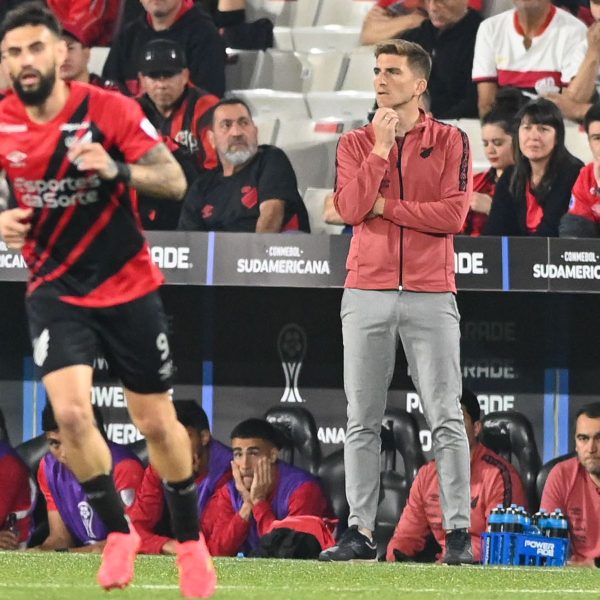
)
(162, 57)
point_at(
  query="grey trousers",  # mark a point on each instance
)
(373, 321)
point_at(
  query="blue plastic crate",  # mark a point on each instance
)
(523, 550)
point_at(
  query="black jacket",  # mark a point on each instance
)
(453, 93)
(509, 214)
(194, 31)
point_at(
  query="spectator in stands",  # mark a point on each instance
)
(577, 98)
(263, 490)
(17, 498)
(532, 196)
(389, 18)
(448, 35)
(182, 113)
(498, 129)
(75, 67)
(177, 20)
(531, 48)
(254, 188)
(94, 19)
(573, 485)
(583, 218)
(72, 522)
(212, 469)
(493, 481)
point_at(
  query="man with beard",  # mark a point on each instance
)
(75, 155)
(573, 485)
(254, 188)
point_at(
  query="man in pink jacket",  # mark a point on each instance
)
(404, 183)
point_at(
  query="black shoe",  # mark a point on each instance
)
(458, 548)
(353, 545)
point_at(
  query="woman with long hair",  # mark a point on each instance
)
(532, 195)
(498, 128)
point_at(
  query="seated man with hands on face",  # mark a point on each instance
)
(263, 493)
(211, 463)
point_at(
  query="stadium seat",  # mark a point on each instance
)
(359, 74)
(325, 70)
(393, 494)
(314, 199)
(545, 471)
(342, 105)
(241, 67)
(267, 128)
(282, 38)
(275, 104)
(98, 56)
(294, 131)
(333, 479)
(328, 37)
(510, 434)
(291, 13)
(302, 447)
(343, 12)
(313, 162)
(495, 7)
(576, 142)
(472, 127)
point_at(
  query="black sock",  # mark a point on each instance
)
(182, 500)
(105, 501)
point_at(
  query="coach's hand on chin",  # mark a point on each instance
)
(14, 226)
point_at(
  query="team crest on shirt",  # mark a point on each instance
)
(249, 196)
(17, 158)
(40, 348)
(207, 211)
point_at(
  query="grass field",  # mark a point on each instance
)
(72, 577)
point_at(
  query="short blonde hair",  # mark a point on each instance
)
(417, 57)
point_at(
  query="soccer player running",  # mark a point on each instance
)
(72, 153)
(404, 183)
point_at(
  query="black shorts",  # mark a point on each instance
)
(131, 336)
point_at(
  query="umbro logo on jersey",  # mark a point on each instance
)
(17, 158)
(75, 126)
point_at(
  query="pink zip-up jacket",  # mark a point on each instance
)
(427, 184)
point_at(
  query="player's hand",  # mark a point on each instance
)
(14, 226)
(384, 125)
(93, 157)
(239, 482)
(377, 210)
(8, 540)
(263, 480)
(481, 203)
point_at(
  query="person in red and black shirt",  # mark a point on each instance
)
(255, 187)
(177, 20)
(212, 469)
(583, 218)
(263, 492)
(533, 195)
(17, 499)
(74, 156)
(182, 114)
(75, 67)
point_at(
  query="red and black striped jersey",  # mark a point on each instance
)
(85, 244)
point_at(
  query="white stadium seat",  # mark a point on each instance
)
(276, 104)
(282, 38)
(313, 162)
(359, 74)
(343, 105)
(343, 12)
(241, 67)
(328, 37)
(98, 55)
(268, 127)
(314, 199)
(291, 13)
(577, 143)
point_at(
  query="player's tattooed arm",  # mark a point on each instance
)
(158, 174)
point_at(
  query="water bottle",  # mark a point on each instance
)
(496, 520)
(510, 520)
(558, 526)
(541, 521)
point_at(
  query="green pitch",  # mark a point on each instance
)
(51, 576)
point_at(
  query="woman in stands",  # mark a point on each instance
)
(498, 128)
(531, 196)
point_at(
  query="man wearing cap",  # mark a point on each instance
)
(75, 67)
(253, 190)
(493, 481)
(181, 112)
(211, 461)
(180, 21)
(263, 490)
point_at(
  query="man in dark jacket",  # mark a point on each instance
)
(177, 20)
(449, 37)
